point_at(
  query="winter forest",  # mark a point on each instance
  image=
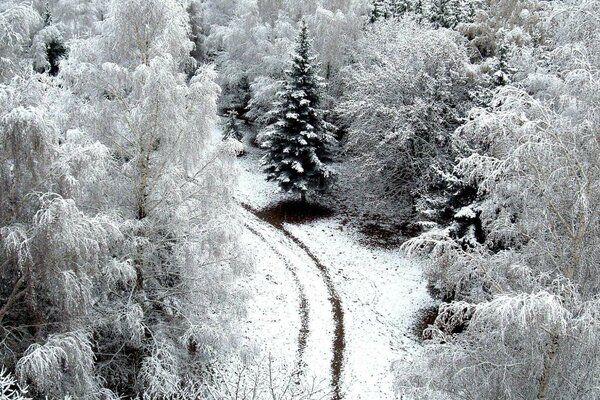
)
(299, 199)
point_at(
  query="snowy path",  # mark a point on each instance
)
(303, 308)
(311, 334)
(342, 311)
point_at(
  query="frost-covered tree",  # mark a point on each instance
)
(250, 54)
(509, 23)
(173, 187)
(444, 13)
(254, 42)
(117, 270)
(299, 141)
(405, 94)
(18, 24)
(384, 9)
(524, 320)
(55, 246)
(10, 388)
(380, 10)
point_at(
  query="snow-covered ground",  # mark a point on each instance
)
(380, 290)
(277, 256)
(381, 293)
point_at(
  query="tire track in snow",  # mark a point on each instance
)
(303, 307)
(339, 342)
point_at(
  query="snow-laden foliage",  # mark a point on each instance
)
(53, 253)
(64, 360)
(10, 388)
(117, 265)
(502, 23)
(299, 142)
(232, 129)
(405, 94)
(515, 345)
(48, 49)
(253, 42)
(139, 31)
(232, 134)
(18, 24)
(441, 13)
(173, 187)
(531, 286)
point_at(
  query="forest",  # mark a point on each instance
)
(299, 199)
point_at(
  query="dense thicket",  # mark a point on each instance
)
(117, 262)
(408, 88)
(524, 314)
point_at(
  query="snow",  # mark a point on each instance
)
(318, 353)
(381, 292)
(465, 213)
(272, 320)
(253, 189)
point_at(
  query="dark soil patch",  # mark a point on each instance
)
(425, 317)
(294, 212)
(387, 235)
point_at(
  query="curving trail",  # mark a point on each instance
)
(331, 326)
(303, 308)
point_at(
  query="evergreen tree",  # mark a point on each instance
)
(231, 129)
(401, 7)
(55, 46)
(380, 10)
(298, 141)
(384, 9)
(449, 13)
(48, 46)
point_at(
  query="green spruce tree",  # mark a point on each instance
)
(54, 48)
(298, 142)
(379, 11)
(446, 13)
(232, 130)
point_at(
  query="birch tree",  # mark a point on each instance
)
(406, 92)
(173, 186)
(117, 268)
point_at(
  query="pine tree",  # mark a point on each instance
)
(48, 46)
(231, 130)
(298, 141)
(380, 10)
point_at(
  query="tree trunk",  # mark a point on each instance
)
(549, 360)
(144, 171)
(303, 196)
(142, 196)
